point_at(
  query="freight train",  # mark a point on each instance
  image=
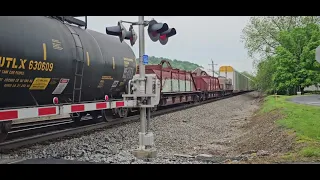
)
(239, 81)
(54, 65)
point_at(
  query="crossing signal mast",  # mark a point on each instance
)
(156, 31)
(122, 32)
(143, 84)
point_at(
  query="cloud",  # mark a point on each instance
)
(199, 39)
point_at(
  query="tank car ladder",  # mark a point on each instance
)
(79, 68)
(77, 85)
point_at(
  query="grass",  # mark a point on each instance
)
(304, 120)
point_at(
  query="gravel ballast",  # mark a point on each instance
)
(180, 137)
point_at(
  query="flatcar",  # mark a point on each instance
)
(180, 86)
(177, 86)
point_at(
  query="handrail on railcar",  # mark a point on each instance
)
(73, 20)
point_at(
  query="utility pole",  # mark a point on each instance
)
(143, 86)
(212, 67)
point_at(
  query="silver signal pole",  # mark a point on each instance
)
(142, 83)
(146, 137)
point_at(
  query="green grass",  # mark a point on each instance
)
(310, 152)
(304, 120)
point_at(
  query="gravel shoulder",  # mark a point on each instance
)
(224, 131)
(263, 141)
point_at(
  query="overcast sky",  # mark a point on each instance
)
(199, 39)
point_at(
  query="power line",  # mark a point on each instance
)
(212, 67)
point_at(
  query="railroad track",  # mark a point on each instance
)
(27, 129)
(22, 126)
(65, 128)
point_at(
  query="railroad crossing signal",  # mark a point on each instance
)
(132, 35)
(160, 31)
(157, 31)
(122, 32)
(318, 54)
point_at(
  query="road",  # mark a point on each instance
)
(309, 100)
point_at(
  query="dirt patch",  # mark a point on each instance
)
(248, 136)
(263, 139)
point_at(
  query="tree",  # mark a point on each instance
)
(295, 64)
(184, 65)
(261, 35)
(263, 80)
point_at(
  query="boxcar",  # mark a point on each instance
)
(240, 82)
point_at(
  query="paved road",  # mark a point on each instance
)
(309, 100)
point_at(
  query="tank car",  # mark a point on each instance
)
(42, 57)
(45, 57)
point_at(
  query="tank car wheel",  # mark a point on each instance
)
(106, 116)
(4, 129)
(76, 117)
(121, 112)
(95, 115)
(153, 109)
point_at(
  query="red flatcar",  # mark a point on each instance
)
(180, 86)
(177, 86)
(208, 85)
(172, 80)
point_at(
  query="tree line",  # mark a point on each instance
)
(178, 64)
(183, 65)
(283, 49)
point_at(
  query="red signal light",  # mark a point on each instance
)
(163, 37)
(106, 97)
(154, 33)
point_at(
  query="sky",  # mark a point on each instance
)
(199, 39)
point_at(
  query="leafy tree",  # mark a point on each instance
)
(261, 35)
(184, 65)
(263, 80)
(295, 65)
